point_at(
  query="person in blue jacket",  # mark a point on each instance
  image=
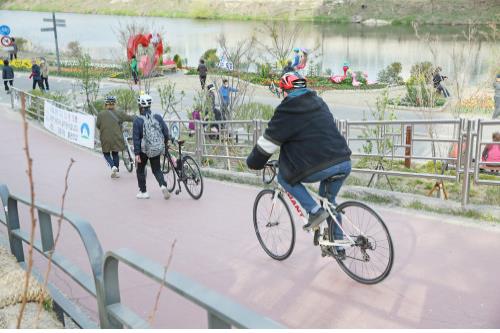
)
(296, 57)
(224, 92)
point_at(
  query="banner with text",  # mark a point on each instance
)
(75, 127)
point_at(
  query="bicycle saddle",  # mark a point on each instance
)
(181, 142)
(336, 177)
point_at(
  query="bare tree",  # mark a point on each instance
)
(240, 56)
(283, 37)
(56, 241)
(33, 219)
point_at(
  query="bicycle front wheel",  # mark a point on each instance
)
(273, 225)
(127, 160)
(168, 170)
(370, 259)
(192, 178)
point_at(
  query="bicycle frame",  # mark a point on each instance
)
(328, 206)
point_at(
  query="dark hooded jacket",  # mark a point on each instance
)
(305, 131)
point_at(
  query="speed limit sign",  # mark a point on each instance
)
(6, 41)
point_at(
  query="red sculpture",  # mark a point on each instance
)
(144, 40)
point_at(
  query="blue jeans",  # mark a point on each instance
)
(112, 159)
(299, 191)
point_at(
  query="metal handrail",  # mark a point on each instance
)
(104, 283)
(222, 312)
(45, 246)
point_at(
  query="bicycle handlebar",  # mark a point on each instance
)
(270, 167)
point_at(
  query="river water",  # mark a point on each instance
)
(368, 49)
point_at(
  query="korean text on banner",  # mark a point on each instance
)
(72, 126)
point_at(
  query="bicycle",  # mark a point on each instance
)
(275, 90)
(274, 226)
(128, 154)
(183, 169)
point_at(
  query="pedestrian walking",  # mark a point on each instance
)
(13, 51)
(44, 69)
(225, 92)
(7, 75)
(109, 123)
(437, 80)
(202, 71)
(36, 75)
(150, 134)
(135, 71)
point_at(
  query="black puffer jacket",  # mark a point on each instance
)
(304, 128)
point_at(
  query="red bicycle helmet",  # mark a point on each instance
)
(292, 80)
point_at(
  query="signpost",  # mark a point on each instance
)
(4, 30)
(55, 24)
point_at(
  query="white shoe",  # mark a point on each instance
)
(166, 193)
(114, 172)
(142, 195)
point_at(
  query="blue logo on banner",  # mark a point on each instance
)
(4, 30)
(85, 131)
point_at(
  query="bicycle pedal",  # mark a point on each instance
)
(316, 237)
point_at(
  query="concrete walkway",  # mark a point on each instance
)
(444, 276)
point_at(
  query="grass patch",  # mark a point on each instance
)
(468, 213)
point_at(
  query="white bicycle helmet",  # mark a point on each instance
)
(144, 100)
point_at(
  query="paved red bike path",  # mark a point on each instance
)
(445, 275)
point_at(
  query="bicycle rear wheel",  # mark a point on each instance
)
(273, 225)
(168, 170)
(192, 178)
(127, 160)
(370, 260)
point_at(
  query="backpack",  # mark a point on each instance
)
(153, 142)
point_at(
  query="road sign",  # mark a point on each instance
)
(46, 29)
(57, 20)
(63, 25)
(4, 30)
(6, 41)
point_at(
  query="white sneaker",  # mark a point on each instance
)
(166, 193)
(142, 195)
(114, 172)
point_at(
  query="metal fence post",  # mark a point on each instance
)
(466, 177)
(198, 141)
(12, 92)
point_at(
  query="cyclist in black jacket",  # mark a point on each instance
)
(312, 148)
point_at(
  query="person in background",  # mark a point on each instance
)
(491, 152)
(296, 57)
(437, 79)
(13, 52)
(44, 68)
(36, 75)
(133, 68)
(217, 116)
(150, 135)
(109, 123)
(7, 75)
(202, 71)
(224, 92)
(288, 68)
(303, 62)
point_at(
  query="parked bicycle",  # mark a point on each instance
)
(275, 90)
(182, 168)
(368, 251)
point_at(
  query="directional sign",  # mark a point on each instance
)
(57, 21)
(46, 29)
(61, 25)
(6, 41)
(4, 30)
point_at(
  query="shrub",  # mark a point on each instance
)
(74, 49)
(264, 70)
(22, 43)
(424, 69)
(391, 74)
(178, 61)
(125, 99)
(211, 58)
